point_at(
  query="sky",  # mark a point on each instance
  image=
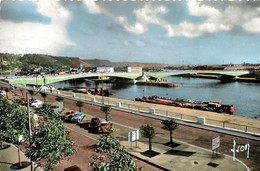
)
(151, 31)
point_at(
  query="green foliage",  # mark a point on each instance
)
(106, 109)
(12, 61)
(51, 141)
(59, 99)
(108, 143)
(48, 144)
(147, 131)
(80, 104)
(49, 115)
(117, 160)
(44, 95)
(31, 92)
(169, 124)
(12, 126)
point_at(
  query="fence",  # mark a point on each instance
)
(166, 113)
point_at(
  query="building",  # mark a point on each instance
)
(104, 69)
(134, 69)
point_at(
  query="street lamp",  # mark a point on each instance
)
(102, 91)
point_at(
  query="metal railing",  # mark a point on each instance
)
(170, 114)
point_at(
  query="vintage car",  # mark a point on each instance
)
(77, 117)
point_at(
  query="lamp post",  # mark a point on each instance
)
(102, 91)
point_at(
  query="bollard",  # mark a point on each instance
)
(201, 120)
(93, 99)
(118, 104)
(152, 111)
(58, 91)
(74, 95)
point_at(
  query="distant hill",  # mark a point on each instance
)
(15, 62)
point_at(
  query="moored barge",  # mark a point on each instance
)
(214, 106)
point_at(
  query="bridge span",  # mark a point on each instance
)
(50, 79)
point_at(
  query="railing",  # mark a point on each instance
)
(170, 114)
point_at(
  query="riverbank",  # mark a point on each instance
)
(211, 116)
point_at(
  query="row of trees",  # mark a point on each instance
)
(46, 145)
(148, 131)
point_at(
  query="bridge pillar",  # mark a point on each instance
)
(118, 104)
(152, 111)
(201, 120)
(93, 99)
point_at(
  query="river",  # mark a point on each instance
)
(244, 96)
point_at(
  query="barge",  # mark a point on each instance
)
(214, 106)
(93, 91)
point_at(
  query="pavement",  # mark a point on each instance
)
(9, 159)
(181, 157)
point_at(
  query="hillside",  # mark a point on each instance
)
(15, 62)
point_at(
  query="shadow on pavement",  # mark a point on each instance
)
(180, 153)
(4, 147)
(17, 166)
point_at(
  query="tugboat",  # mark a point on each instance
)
(214, 106)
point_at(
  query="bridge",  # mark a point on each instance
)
(50, 79)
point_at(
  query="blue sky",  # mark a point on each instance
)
(186, 32)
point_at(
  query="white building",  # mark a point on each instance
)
(105, 69)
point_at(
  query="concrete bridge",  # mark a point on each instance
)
(50, 79)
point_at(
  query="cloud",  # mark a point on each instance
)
(216, 19)
(93, 8)
(31, 37)
(144, 16)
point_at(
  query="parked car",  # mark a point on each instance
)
(68, 115)
(99, 126)
(3, 93)
(94, 124)
(36, 103)
(58, 107)
(73, 168)
(77, 117)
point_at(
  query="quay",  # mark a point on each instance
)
(192, 135)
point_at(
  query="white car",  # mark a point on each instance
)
(36, 103)
(3, 93)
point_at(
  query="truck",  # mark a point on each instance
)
(58, 107)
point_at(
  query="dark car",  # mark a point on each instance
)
(94, 124)
(73, 168)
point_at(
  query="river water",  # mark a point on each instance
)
(243, 95)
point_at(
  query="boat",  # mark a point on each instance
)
(93, 91)
(214, 106)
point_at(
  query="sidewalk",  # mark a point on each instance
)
(9, 156)
(181, 157)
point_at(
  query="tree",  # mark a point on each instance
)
(51, 141)
(59, 99)
(44, 95)
(11, 126)
(7, 91)
(170, 125)
(106, 109)
(116, 157)
(21, 90)
(31, 92)
(148, 131)
(80, 104)
(49, 144)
